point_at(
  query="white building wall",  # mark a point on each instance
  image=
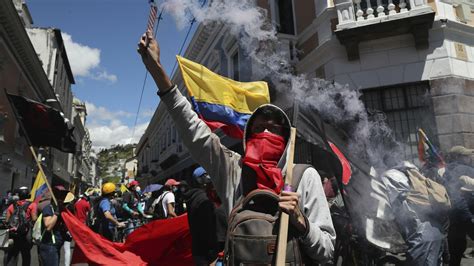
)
(395, 60)
(46, 50)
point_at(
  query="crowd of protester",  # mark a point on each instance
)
(432, 235)
(233, 200)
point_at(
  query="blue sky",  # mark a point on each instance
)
(101, 38)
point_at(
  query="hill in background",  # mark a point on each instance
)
(112, 160)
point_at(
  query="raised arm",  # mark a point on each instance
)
(203, 145)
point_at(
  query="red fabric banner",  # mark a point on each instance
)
(162, 242)
(346, 166)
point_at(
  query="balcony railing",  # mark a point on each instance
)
(353, 13)
(366, 20)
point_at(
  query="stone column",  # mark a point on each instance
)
(453, 106)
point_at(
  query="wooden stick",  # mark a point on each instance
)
(284, 219)
(40, 167)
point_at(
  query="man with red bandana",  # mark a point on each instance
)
(265, 141)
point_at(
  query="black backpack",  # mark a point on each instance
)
(93, 216)
(253, 229)
(159, 212)
(18, 220)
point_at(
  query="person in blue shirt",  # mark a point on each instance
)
(107, 213)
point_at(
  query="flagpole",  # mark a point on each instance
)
(284, 218)
(40, 167)
(25, 134)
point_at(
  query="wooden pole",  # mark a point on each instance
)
(40, 167)
(284, 219)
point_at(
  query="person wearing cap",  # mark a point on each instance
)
(459, 172)
(107, 213)
(21, 243)
(167, 199)
(203, 219)
(55, 231)
(262, 166)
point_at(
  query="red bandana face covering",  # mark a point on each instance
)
(262, 154)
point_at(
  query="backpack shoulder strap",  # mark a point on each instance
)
(298, 171)
(163, 196)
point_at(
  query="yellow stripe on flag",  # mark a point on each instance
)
(39, 183)
(207, 86)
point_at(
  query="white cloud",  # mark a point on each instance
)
(104, 136)
(107, 128)
(147, 113)
(85, 60)
(103, 75)
(102, 114)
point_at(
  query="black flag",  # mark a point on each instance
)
(43, 125)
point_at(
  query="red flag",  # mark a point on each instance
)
(346, 166)
(162, 242)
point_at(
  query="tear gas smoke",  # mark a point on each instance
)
(340, 105)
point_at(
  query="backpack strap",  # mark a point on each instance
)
(298, 171)
(162, 197)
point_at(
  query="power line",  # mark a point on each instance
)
(185, 39)
(174, 67)
(183, 44)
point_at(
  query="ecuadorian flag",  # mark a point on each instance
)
(222, 102)
(39, 188)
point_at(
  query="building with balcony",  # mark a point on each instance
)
(411, 59)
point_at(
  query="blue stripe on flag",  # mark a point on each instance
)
(41, 190)
(220, 113)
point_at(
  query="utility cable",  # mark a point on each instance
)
(185, 39)
(182, 45)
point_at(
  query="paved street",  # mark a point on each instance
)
(34, 258)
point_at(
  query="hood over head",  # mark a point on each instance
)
(274, 111)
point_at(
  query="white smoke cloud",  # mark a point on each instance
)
(85, 60)
(242, 17)
(369, 136)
